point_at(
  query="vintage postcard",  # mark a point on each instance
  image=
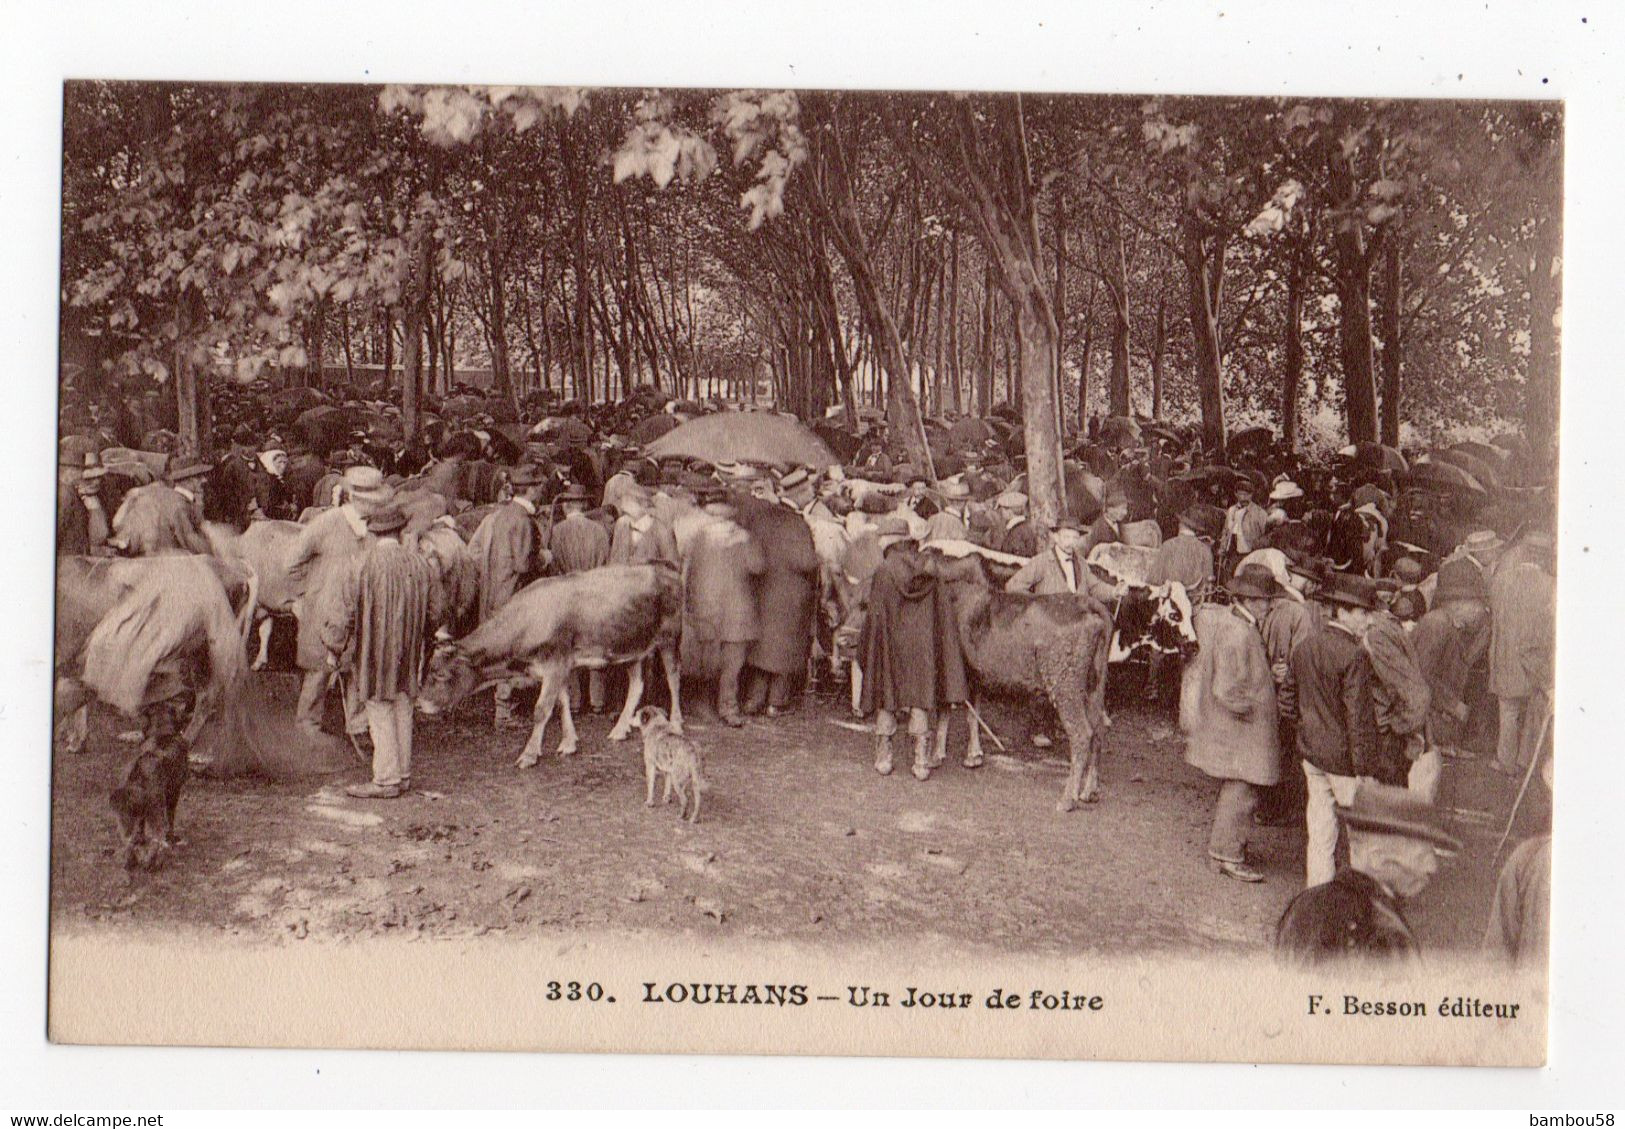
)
(806, 572)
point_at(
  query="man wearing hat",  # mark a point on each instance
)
(321, 560)
(578, 543)
(640, 536)
(1291, 619)
(1285, 501)
(1245, 524)
(1108, 526)
(719, 609)
(1399, 691)
(799, 492)
(509, 552)
(1016, 533)
(1451, 640)
(1523, 607)
(952, 522)
(271, 500)
(387, 606)
(1337, 724)
(1228, 714)
(81, 521)
(1062, 568)
(1394, 844)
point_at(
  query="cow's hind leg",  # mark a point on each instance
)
(1067, 687)
(72, 714)
(674, 684)
(634, 696)
(569, 741)
(973, 743)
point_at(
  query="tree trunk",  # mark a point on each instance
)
(1083, 369)
(1353, 276)
(501, 375)
(1060, 287)
(955, 358)
(417, 301)
(1392, 347)
(344, 329)
(1204, 277)
(190, 388)
(1122, 400)
(1158, 348)
(1292, 381)
(1541, 384)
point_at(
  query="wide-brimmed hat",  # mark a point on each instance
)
(527, 474)
(1254, 581)
(365, 483)
(1273, 561)
(1067, 521)
(1460, 579)
(92, 466)
(1483, 541)
(1011, 500)
(1285, 490)
(954, 490)
(711, 494)
(1392, 810)
(574, 492)
(386, 519)
(1115, 496)
(891, 529)
(1351, 591)
(1408, 570)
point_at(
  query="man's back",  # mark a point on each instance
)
(1337, 725)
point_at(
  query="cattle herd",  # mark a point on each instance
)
(748, 577)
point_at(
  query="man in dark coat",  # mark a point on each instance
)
(786, 602)
(81, 520)
(1451, 640)
(1337, 725)
(509, 552)
(910, 652)
(578, 544)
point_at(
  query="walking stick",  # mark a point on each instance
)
(1529, 774)
(355, 746)
(987, 728)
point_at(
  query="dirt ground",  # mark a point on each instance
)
(799, 839)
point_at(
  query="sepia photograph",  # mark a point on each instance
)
(934, 564)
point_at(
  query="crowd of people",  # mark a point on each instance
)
(1360, 624)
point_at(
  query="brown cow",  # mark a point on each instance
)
(1054, 646)
(610, 616)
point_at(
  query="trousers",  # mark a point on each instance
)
(313, 698)
(390, 723)
(732, 665)
(1232, 818)
(1325, 791)
(1519, 730)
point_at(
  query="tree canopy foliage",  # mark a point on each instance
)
(1339, 270)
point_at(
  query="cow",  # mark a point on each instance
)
(1051, 646)
(1148, 618)
(265, 547)
(134, 631)
(610, 616)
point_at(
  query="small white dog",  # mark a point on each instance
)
(666, 750)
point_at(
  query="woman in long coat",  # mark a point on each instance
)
(786, 600)
(1228, 713)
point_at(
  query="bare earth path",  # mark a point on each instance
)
(799, 840)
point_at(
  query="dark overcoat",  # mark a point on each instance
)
(787, 589)
(909, 650)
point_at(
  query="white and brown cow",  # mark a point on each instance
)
(616, 615)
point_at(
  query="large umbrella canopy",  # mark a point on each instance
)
(1445, 476)
(969, 433)
(1376, 456)
(744, 437)
(647, 430)
(462, 406)
(1120, 431)
(1495, 456)
(1249, 438)
(1160, 431)
(1488, 473)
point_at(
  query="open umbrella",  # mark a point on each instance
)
(1488, 473)
(969, 433)
(647, 430)
(744, 437)
(1376, 456)
(1250, 438)
(1446, 476)
(1119, 431)
(1160, 431)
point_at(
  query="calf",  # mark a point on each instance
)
(1052, 646)
(1147, 619)
(610, 616)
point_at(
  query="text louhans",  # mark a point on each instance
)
(866, 996)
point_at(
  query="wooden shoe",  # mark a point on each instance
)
(1240, 871)
(371, 791)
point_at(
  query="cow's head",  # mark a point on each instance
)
(449, 679)
(1154, 619)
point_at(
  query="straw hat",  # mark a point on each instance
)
(1393, 810)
